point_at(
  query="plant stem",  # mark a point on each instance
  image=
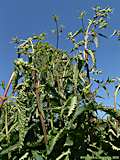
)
(7, 88)
(57, 34)
(41, 113)
(86, 49)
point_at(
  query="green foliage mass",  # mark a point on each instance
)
(51, 112)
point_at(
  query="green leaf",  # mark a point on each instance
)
(59, 135)
(37, 155)
(73, 105)
(78, 111)
(113, 146)
(9, 149)
(86, 89)
(3, 85)
(64, 154)
(92, 54)
(77, 33)
(75, 76)
(24, 156)
(65, 106)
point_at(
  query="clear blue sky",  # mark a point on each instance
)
(24, 18)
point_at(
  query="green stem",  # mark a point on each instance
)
(86, 49)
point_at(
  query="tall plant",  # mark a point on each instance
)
(51, 111)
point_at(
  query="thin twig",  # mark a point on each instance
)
(7, 89)
(57, 34)
(41, 114)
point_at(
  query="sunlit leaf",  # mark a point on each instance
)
(92, 54)
(72, 105)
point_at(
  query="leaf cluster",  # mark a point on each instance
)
(51, 112)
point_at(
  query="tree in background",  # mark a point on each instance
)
(51, 112)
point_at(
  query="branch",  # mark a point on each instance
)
(41, 113)
(4, 97)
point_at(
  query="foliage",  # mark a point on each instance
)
(51, 112)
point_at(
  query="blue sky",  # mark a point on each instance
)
(23, 18)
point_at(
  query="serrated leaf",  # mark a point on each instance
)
(63, 154)
(9, 149)
(59, 135)
(73, 105)
(24, 156)
(113, 146)
(112, 131)
(65, 106)
(78, 111)
(92, 54)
